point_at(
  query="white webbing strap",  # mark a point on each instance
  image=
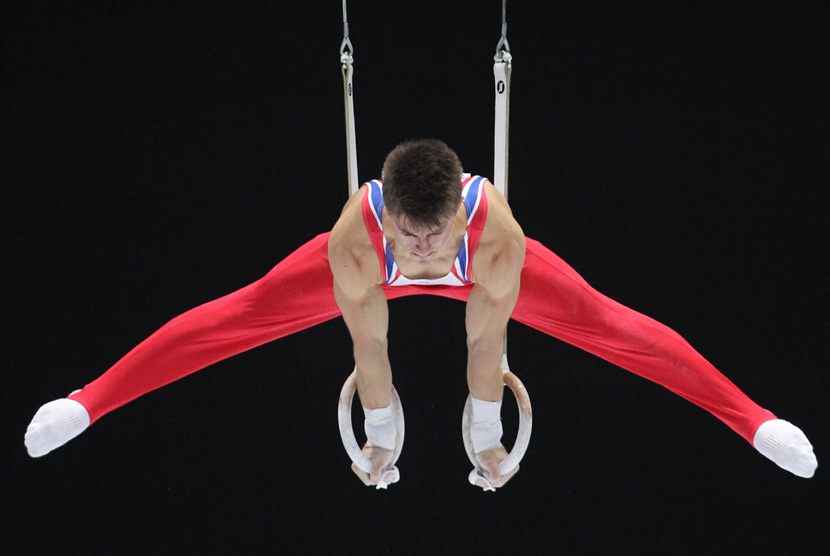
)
(346, 59)
(351, 143)
(501, 71)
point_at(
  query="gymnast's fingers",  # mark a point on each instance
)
(489, 461)
(381, 461)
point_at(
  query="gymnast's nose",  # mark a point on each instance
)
(423, 246)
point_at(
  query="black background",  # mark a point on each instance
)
(158, 157)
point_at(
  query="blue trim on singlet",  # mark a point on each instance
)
(376, 201)
(472, 199)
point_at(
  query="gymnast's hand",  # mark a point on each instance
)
(489, 461)
(381, 467)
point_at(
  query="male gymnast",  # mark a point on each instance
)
(427, 228)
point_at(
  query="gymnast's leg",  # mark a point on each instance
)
(557, 301)
(294, 295)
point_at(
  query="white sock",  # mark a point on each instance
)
(55, 424)
(486, 429)
(380, 427)
(786, 445)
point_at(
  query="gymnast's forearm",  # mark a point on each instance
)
(374, 374)
(366, 314)
(484, 376)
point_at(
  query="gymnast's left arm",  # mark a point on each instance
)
(497, 273)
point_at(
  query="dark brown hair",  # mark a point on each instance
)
(422, 181)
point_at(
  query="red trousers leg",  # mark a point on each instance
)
(294, 295)
(557, 301)
(298, 294)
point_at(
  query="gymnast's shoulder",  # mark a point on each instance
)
(352, 256)
(501, 249)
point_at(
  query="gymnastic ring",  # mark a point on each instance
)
(523, 436)
(344, 419)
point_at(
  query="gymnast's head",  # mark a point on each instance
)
(422, 182)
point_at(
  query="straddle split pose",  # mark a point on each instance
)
(427, 228)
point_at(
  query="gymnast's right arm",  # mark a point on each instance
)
(363, 305)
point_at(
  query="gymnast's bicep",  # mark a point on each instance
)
(360, 299)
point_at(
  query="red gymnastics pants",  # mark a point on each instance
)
(297, 294)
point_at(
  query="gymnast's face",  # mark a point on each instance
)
(422, 243)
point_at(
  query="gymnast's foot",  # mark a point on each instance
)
(786, 445)
(55, 424)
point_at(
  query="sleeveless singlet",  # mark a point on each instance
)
(475, 202)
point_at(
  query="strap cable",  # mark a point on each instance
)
(503, 46)
(346, 67)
